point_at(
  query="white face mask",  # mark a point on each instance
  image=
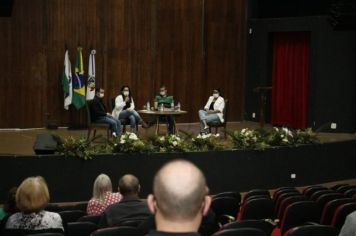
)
(126, 93)
(215, 95)
(162, 93)
(101, 95)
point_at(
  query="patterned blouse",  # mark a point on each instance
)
(95, 207)
(35, 221)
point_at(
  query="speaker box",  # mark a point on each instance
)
(45, 144)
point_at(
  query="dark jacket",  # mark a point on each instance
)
(129, 208)
(97, 108)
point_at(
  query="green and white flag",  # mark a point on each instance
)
(91, 76)
(67, 81)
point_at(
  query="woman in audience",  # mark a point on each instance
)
(32, 197)
(102, 195)
(125, 109)
(213, 111)
(10, 204)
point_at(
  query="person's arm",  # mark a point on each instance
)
(132, 106)
(119, 102)
(207, 105)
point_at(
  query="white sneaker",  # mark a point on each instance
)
(114, 134)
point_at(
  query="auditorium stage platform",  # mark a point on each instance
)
(70, 179)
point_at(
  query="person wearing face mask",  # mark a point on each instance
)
(125, 109)
(166, 101)
(98, 113)
(213, 111)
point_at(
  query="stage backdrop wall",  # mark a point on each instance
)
(192, 46)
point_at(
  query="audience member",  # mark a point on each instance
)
(32, 196)
(102, 195)
(349, 227)
(130, 208)
(10, 204)
(179, 199)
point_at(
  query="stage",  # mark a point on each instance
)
(71, 179)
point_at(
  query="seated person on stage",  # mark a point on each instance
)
(98, 113)
(102, 195)
(166, 101)
(130, 208)
(179, 200)
(213, 111)
(125, 109)
(32, 197)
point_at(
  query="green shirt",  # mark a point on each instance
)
(2, 213)
(165, 100)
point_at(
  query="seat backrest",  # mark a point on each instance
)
(336, 186)
(319, 193)
(232, 194)
(71, 216)
(256, 192)
(265, 226)
(341, 213)
(343, 189)
(117, 231)
(350, 192)
(312, 189)
(288, 201)
(283, 196)
(241, 232)
(312, 230)
(81, 228)
(90, 218)
(325, 198)
(225, 206)
(330, 208)
(298, 214)
(259, 208)
(283, 190)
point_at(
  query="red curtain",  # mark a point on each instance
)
(290, 76)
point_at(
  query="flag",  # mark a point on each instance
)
(91, 76)
(67, 81)
(78, 81)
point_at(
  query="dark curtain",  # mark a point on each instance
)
(290, 77)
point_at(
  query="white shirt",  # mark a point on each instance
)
(120, 104)
(218, 106)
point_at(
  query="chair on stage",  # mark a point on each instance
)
(94, 125)
(218, 124)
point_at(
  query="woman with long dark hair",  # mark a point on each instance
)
(125, 109)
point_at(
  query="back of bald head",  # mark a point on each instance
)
(129, 185)
(179, 188)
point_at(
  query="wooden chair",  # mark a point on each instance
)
(218, 124)
(94, 126)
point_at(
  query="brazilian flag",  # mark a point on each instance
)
(78, 99)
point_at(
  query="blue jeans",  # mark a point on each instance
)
(114, 123)
(132, 116)
(203, 115)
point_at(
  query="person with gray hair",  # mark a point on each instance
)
(130, 208)
(102, 195)
(179, 200)
(349, 227)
